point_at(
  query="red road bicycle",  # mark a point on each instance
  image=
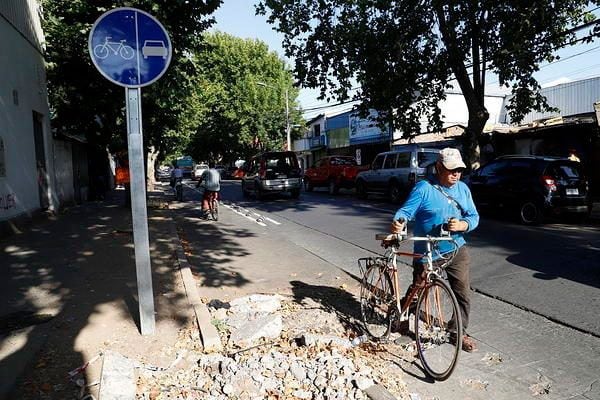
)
(435, 320)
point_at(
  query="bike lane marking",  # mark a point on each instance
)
(236, 209)
(266, 218)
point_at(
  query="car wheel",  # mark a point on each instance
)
(361, 190)
(308, 186)
(530, 213)
(333, 188)
(395, 193)
(295, 193)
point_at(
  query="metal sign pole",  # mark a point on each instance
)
(138, 210)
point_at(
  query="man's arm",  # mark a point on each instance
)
(408, 209)
(470, 218)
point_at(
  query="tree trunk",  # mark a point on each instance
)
(151, 161)
(477, 120)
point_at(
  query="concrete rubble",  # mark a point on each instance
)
(275, 348)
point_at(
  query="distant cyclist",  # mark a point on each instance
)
(210, 181)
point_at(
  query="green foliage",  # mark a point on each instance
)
(231, 114)
(82, 101)
(404, 53)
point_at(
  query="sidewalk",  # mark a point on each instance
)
(69, 292)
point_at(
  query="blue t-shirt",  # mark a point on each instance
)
(429, 209)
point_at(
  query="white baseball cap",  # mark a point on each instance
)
(451, 159)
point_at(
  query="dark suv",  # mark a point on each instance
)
(532, 186)
(272, 172)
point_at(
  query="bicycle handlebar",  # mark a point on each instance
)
(388, 237)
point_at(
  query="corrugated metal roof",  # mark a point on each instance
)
(570, 98)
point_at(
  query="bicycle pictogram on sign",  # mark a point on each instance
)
(117, 48)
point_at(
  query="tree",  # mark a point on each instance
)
(84, 102)
(238, 106)
(404, 54)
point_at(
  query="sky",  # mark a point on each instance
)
(237, 17)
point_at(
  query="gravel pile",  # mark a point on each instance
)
(310, 354)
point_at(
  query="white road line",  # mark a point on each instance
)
(245, 215)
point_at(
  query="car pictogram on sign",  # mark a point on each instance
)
(154, 48)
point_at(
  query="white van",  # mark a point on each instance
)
(394, 173)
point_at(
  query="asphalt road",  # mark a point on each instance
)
(552, 270)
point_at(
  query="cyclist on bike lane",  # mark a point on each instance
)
(444, 199)
(210, 181)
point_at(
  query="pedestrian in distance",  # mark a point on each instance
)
(176, 173)
(573, 155)
(210, 182)
(443, 201)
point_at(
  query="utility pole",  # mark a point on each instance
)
(287, 121)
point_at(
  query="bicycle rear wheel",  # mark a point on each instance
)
(377, 302)
(214, 209)
(438, 329)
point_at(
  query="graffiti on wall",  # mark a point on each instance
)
(8, 201)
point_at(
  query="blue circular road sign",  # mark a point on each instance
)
(129, 47)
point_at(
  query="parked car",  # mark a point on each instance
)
(531, 186)
(198, 171)
(334, 172)
(395, 172)
(272, 172)
(228, 173)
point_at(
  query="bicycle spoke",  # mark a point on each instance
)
(376, 302)
(438, 330)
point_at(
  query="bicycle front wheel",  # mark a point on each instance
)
(438, 329)
(377, 302)
(214, 209)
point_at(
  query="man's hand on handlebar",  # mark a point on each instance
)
(398, 226)
(456, 225)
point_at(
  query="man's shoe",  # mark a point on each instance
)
(468, 344)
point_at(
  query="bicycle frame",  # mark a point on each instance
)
(391, 254)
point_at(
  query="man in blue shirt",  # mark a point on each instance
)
(444, 199)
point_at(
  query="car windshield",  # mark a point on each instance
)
(565, 170)
(426, 158)
(343, 161)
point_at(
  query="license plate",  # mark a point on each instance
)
(572, 192)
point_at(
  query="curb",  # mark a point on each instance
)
(208, 333)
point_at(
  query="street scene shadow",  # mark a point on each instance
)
(334, 300)
(69, 291)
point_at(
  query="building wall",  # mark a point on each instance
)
(23, 99)
(63, 151)
(454, 112)
(571, 98)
